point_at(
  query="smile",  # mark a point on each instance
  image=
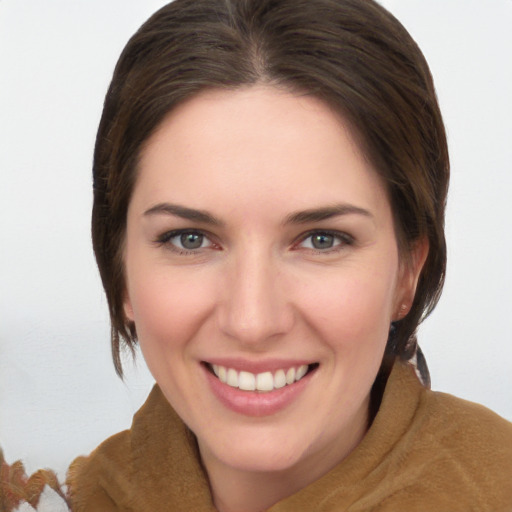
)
(264, 391)
(263, 382)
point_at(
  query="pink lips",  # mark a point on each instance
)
(254, 403)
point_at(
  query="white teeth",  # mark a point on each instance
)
(301, 371)
(290, 376)
(232, 379)
(246, 381)
(279, 379)
(265, 381)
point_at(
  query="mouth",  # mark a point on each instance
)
(264, 382)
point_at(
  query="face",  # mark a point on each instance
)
(262, 276)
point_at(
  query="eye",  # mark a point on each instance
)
(189, 241)
(325, 240)
(185, 241)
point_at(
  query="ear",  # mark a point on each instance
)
(127, 308)
(410, 271)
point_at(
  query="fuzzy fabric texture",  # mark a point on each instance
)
(425, 451)
(19, 493)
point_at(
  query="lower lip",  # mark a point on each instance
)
(254, 403)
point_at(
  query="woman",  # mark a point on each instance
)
(270, 180)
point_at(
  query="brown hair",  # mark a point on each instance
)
(352, 54)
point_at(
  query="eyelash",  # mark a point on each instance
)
(344, 239)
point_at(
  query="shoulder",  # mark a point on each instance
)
(466, 428)
(124, 474)
(459, 454)
(92, 479)
(448, 453)
(104, 480)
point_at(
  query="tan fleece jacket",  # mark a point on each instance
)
(425, 451)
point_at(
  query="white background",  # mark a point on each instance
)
(59, 395)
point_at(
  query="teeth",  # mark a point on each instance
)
(246, 381)
(265, 381)
(301, 371)
(232, 379)
(279, 379)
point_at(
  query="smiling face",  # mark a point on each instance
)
(261, 254)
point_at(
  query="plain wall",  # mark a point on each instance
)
(59, 395)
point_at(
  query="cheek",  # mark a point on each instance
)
(354, 312)
(168, 309)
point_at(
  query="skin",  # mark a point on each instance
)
(256, 289)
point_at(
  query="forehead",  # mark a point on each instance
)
(261, 144)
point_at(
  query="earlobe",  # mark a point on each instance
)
(410, 275)
(402, 310)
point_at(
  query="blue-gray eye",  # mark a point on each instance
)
(191, 240)
(322, 241)
(184, 240)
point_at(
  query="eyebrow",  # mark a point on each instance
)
(184, 212)
(327, 212)
(300, 217)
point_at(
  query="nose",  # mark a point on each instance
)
(255, 308)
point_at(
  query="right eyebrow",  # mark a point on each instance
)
(327, 212)
(177, 210)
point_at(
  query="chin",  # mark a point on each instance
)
(259, 452)
(258, 461)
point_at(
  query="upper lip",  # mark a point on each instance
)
(264, 365)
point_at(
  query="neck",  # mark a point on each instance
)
(244, 493)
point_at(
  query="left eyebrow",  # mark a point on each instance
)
(177, 210)
(327, 212)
